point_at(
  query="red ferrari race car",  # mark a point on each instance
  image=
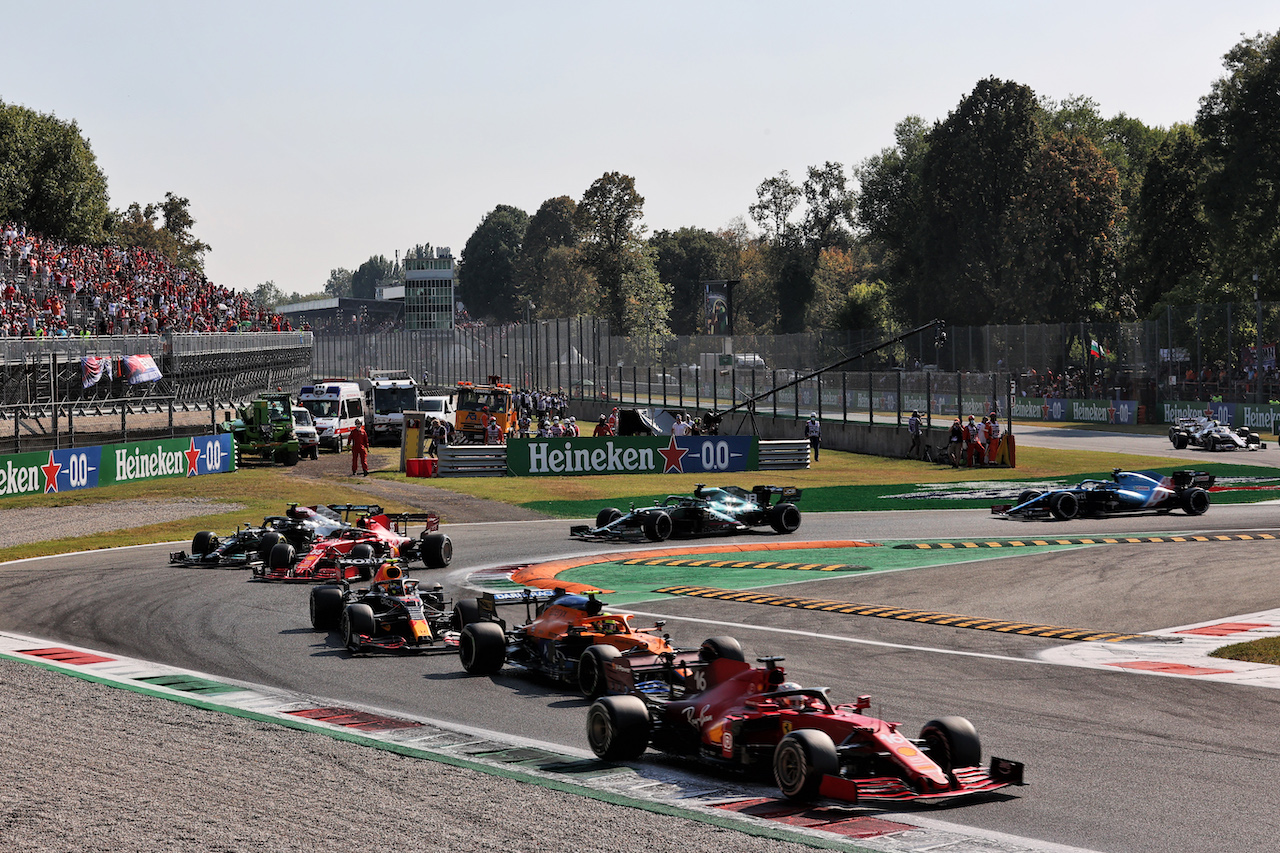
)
(357, 552)
(729, 713)
(569, 638)
(395, 613)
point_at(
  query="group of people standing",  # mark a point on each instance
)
(973, 443)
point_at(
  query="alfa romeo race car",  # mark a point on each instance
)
(1126, 491)
(357, 551)
(394, 613)
(1208, 433)
(568, 638)
(250, 544)
(729, 714)
(710, 511)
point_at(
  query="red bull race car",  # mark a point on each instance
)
(394, 613)
(1126, 491)
(567, 637)
(729, 714)
(356, 552)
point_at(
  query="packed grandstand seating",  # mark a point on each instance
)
(51, 289)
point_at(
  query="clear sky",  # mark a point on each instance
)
(311, 135)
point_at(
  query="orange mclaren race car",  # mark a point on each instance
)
(357, 552)
(565, 636)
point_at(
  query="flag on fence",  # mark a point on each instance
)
(139, 368)
(1096, 350)
(95, 369)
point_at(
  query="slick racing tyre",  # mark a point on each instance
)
(618, 727)
(357, 619)
(1179, 440)
(269, 540)
(436, 550)
(1195, 502)
(326, 607)
(281, 556)
(482, 648)
(465, 612)
(1028, 495)
(715, 648)
(591, 670)
(800, 761)
(952, 742)
(363, 551)
(1064, 506)
(784, 518)
(203, 543)
(608, 515)
(657, 526)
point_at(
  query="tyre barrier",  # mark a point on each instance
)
(473, 461)
(784, 454)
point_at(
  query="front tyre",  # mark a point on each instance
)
(608, 515)
(204, 542)
(952, 742)
(618, 728)
(657, 526)
(465, 612)
(326, 607)
(357, 621)
(800, 761)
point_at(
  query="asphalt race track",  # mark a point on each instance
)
(1117, 761)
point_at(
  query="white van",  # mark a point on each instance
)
(335, 406)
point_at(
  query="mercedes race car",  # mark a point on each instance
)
(710, 511)
(1209, 434)
(250, 545)
(394, 613)
(356, 552)
(1126, 491)
(568, 637)
(729, 714)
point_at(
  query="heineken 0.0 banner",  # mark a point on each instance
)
(73, 468)
(694, 454)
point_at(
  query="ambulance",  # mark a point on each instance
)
(335, 406)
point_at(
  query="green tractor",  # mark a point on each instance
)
(264, 429)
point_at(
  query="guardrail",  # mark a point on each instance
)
(482, 460)
(784, 454)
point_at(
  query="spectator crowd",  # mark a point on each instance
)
(52, 289)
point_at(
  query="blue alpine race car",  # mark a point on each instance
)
(1126, 491)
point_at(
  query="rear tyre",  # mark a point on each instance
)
(657, 527)
(618, 728)
(436, 550)
(1195, 502)
(591, 670)
(800, 761)
(715, 648)
(953, 742)
(465, 612)
(482, 648)
(608, 515)
(357, 619)
(1064, 506)
(326, 607)
(784, 518)
(203, 543)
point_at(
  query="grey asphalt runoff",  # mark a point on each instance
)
(91, 767)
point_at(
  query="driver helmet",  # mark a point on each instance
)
(395, 587)
(795, 702)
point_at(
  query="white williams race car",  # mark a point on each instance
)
(1207, 433)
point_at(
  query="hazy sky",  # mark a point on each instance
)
(311, 135)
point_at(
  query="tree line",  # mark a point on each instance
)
(1013, 209)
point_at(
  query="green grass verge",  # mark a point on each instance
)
(1266, 650)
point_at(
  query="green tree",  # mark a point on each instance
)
(646, 301)
(339, 282)
(685, 259)
(1171, 259)
(551, 227)
(1239, 121)
(608, 224)
(142, 227)
(486, 275)
(755, 297)
(776, 200)
(267, 295)
(49, 177)
(372, 273)
(568, 289)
